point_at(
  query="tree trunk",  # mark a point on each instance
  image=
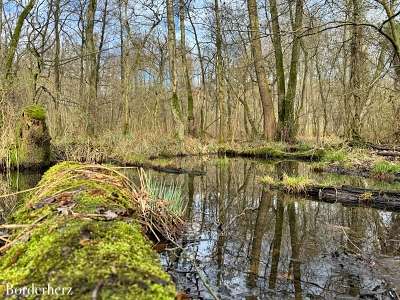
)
(279, 67)
(12, 47)
(288, 129)
(81, 26)
(204, 105)
(220, 86)
(126, 67)
(263, 87)
(354, 127)
(101, 44)
(190, 115)
(175, 104)
(91, 63)
(1, 28)
(57, 79)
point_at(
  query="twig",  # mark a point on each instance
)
(199, 272)
(2, 237)
(13, 226)
(20, 192)
(22, 234)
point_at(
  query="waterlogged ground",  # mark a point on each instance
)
(245, 242)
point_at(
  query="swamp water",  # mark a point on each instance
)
(246, 242)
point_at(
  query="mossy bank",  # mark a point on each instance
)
(82, 232)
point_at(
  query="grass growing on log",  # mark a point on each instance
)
(292, 184)
(296, 183)
(386, 167)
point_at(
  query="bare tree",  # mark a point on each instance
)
(175, 104)
(263, 87)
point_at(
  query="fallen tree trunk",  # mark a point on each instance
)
(273, 153)
(388, 153)
(360, 171)
(81, 232)
(148, 165)
(348, 195)
(159, 168)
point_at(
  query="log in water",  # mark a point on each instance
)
(350, 196)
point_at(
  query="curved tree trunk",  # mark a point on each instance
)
(12, 47)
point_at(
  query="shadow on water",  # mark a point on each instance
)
(252, 243)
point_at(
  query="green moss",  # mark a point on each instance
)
(84, 254)
(78, 251)
(31, 147)
(386, 167)
(278, 151)
(335, 156)
(35, 111)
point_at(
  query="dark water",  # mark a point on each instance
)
(250, 243)
(11, 183)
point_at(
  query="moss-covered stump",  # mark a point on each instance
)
(32, 145)
(83, 230)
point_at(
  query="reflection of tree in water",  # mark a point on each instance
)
(14, 182)
(259, 230)
(8, 203)
(253, 243)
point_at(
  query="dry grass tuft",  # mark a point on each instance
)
(296, 184)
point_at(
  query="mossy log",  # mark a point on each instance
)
(150, 165)
(79, 230)
(347, 195)
(32, 144)
(272, 152)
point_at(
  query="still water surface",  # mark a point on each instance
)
(247, 242)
